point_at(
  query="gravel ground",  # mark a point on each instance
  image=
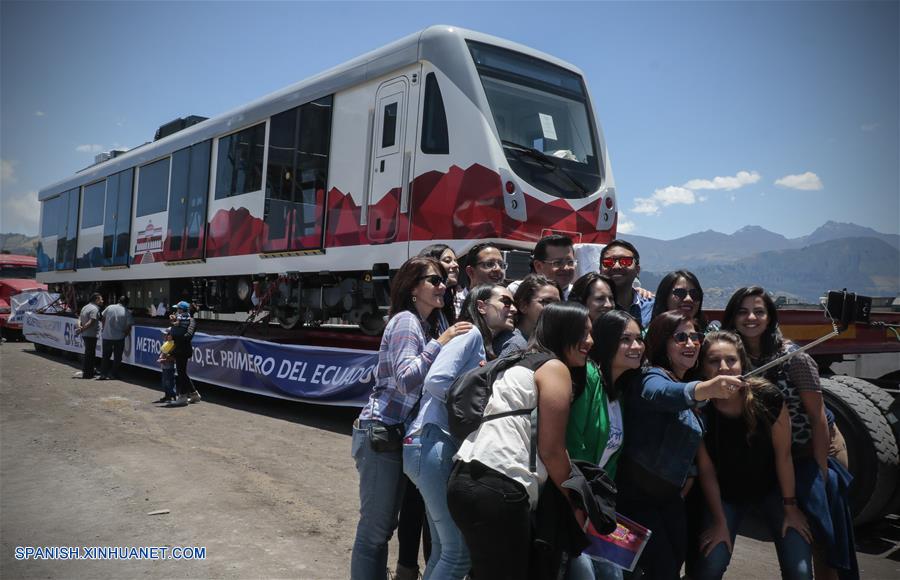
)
(266, 486)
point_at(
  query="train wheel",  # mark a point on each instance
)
(871, 448)
(890, 408)
(372, 323)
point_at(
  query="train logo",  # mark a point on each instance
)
(148, 242)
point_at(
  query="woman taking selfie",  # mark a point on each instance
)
(663, 435)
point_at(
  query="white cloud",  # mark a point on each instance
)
(868, 127)
(89, 148)
(645, 205)
(8, 170)
(727, 183)
(20, 213)
(40, 114)
(808, 181)
(673, 195)
(624, 225)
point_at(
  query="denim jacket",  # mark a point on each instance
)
(662, 431)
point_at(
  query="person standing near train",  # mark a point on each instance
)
(117, 322)
(621, 261)
(184, 325)
(412, 339)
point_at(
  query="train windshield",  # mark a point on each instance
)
(542, 114)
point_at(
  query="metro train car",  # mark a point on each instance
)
(310, 197)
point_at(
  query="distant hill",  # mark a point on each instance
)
(19, 244)
(868, 266)
(712, 247)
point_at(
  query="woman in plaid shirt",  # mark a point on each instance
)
(412, 340)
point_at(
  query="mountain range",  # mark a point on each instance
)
(835, 256)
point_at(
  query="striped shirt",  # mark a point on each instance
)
(404, 358)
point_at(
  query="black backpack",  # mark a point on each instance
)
(469, 393)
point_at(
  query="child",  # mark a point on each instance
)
(167, 363)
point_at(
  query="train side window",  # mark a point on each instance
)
(435, 138)
(389, 125)
(92, 204)
(239, 162)
(153, 188)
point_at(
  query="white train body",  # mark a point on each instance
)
(446, 135)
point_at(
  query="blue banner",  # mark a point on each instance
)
(325, 375)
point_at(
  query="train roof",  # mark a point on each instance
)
(436, 44)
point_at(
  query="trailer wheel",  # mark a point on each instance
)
(890, 408)
(871, 448)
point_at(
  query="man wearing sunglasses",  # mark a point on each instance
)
(620, 261)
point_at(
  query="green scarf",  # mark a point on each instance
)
(588, 428)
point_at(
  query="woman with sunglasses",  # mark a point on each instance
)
(663, 436)
(412, 339)
(595, 430)
(596, 291)
(745, 462)
(535, 291)
(448, 259)
(429, 447)
(681, 291)
(493, 490)
(817, 446)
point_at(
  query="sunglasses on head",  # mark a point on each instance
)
(624, 261)
(682, 337)
(434, 279)
(682, 293)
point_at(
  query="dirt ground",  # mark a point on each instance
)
(266, 486)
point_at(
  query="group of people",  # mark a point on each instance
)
(114, 323)
(637, 384)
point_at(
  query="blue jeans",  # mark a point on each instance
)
(428, 461)
(794, 553)
(586, 568)
(380, 496)
(168, 381)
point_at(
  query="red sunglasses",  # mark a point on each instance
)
(624, 261)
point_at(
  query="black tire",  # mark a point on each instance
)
(890, 408)
(871, 447)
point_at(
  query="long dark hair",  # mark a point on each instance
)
(664, 290)
(436, 251)
(752, 408)
(470, 313)
(528, 287)
(581, 288)
(559, 328)
(606, 332)
(661, 329)
(771, 341)
(408, 277)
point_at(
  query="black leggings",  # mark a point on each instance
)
(182, 381)
(494, 515)
(411, 527)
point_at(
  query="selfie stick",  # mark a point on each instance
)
(788, 356)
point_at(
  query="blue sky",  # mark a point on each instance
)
(717, 114)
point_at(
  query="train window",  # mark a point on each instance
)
(67, 229)
(435, 139)
(297, 174)
(153, 187)
(92, 204)
(389, 126)
(48, 218)
(117, 218)
(239, 162)
(187, 199)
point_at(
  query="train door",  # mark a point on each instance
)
(187, 202)
(389, 162)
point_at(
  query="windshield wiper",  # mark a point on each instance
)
(546, 161)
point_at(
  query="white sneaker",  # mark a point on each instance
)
(181, 401)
